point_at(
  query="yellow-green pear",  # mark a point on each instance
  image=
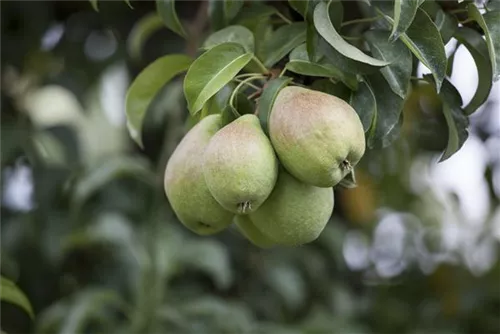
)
(252, 233)
(185, 185)
(240, 165)
(295, 213)
(318, 137)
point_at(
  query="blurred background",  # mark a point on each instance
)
(88, 235)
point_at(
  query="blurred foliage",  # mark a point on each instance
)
(89, 238)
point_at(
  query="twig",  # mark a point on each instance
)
(196, 28)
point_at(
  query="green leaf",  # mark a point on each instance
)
(94, 5)
(447, 25)
(282, 41)
(269, 94)
(478, 49)
(299, 63)
(388, 112)
(336, 12)
(140, 32)
(326, 29)
(211, 71)
(364, 102)
(345, 64)
(166, 10)
(221, 100)
(11, 293)
(254, 14)
(210, 257)
(490, 23)
(88, 304)
(398, 73)
(237, 34)
(336, 89)
(216, 14)
(232, 8)
(300, 6)
(256, 18)
(404, 13)
(455, 117)
(493, 5)
(102, 174)
(129, 4)
(145, 87)
(425, 42)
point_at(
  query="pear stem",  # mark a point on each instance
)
(243, 82)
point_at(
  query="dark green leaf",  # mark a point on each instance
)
(447, 25)
(300, 6)
(300, 63)
(336, 89)
(229, 114)
(11, 293)
(490, 23)
(146, 86)
(231, 9)
(404, 13)
(89, 304)
(102, 174)
(94, 4)
(211, 71)
(243, 104)
(216, 14)
(236, 34)
(166, 10)
(364, 102)
(326, 29)
(129, 4)
(387, 117)
(220, 100)
(282, 41)
(425, 42)
(336, 12)
(455, 117)
(210, 257)
(343, 63)
(478, 49)
(266, 100)
(141, 31)
(399, 71)
(493, 5)
(256, 18)
(254, 14)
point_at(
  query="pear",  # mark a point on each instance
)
(252, 233)
(295, 213)
(240, 165)
(318, 137)
(185, 185)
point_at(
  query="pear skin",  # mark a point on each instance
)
(318, 137)
(252, 233)
(185, 185)
(240, 165)
(295, 213)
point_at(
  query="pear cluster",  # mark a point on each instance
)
(277, 188)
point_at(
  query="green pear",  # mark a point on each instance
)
(252, 233)
(185, 184)
(318, 137)
(240, 165)
(295, 213)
